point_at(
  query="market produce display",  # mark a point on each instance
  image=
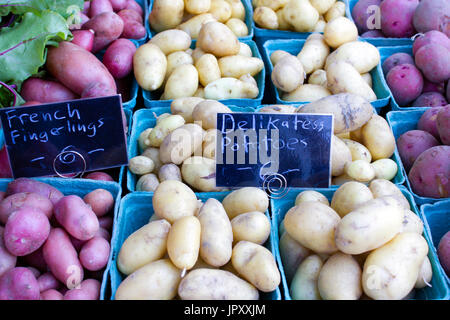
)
(301, 15)
(327, 255)
(400, 18)
(378, 230)
(203, 250)
(53, 246)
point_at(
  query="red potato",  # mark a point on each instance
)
(24, 199)
(427, 122)
(429, 86)
(429, 175)
(48, 281)
(51, 294)
(132, 29)
(106, 222)
(396, 59)
(108, 26)
(443, 124)
(118, 4)
(5, 167)
(89, 290)
(405, 82)
(19, 284)
(429, 37)
(103, 233)
(62, 258)
(100, 200)
(434, 61)
(76, 217)
(118, 58)
(130, 14)
(35, 272)
(78, 69)
(25, 231)
(430, 99)
(94, 254)
(412, 143)
(99, 6)
(101, 176)
(7, 260)
(397, 18)
(447, 92)
(84, 38)
(432, 15)
(362, 15)
(2, 195)
(443, 251)
(45, 91)
(133, 5)
(34, 186)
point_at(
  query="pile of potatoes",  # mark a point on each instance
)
(219, 67)
(296, 15)
(190, 15)
(200, 251)
(182, 146)
(364, 244)
(53, 246)
(363, 141)
(329, 63)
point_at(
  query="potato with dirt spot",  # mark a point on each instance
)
(200, 173)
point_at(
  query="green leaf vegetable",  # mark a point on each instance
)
(36, 25)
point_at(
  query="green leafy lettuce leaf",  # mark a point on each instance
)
(23, 46)
(65, 8)
(7, 98)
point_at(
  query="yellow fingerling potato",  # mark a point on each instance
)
(157, 280)
(143, 246)
(304, 283)
(369, 226)
(251, 226)
(216, 240)
(184, 107)
(163, 128)
(257, 265)
(340, 278)
(377, 136)
(313, 225)
(166, 14)
(265, 18)
(350, 196)
(311, 195)
(391, 271)
(292, 254)
(314, 53)
(149, 65)
(244, 200)
(183, 242)
(200, 173)
(173, 200)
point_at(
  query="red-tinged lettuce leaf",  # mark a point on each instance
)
(65, 8)
(23, 46)
(9, 96)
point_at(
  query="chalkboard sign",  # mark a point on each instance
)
(65, 137)
(273, 150)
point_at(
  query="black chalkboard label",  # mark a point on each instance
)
(273, 150)
(66, 137)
